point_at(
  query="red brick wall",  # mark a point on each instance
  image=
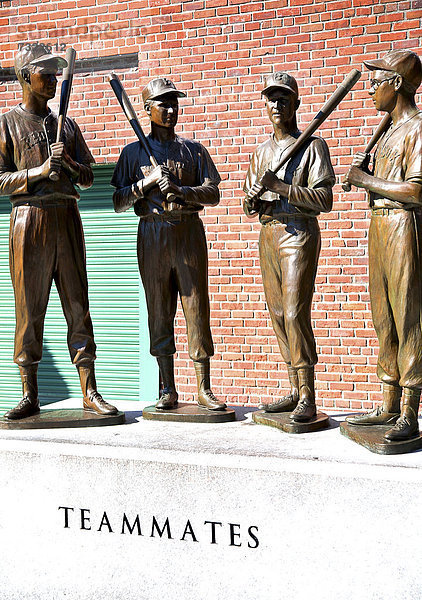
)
(217, 51)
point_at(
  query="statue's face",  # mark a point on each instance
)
(281, 105)
(164, 111)
(382, 90)
(43, 80)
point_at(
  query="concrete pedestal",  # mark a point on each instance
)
(160, 510)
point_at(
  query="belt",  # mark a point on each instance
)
(388, 211)
(299, 219)
(159, 218)
(45, 203)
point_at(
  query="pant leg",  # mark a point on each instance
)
(72, 283)
(32, 257)
(401, 338)
(382, 313)
(191, 272)
(155, 258)
(299, 253)
(272, 282)
(289, 258)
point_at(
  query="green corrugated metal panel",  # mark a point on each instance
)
(114, 293)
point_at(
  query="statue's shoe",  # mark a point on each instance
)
(304, 411)
(376, 417)
(404, 429)
(96, 403)
(286, 404)
(207, 399)
(168, 399)
(26, 408)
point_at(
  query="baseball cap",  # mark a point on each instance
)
(280, 79)
(403, 62)
(36, 54)
(159, 87)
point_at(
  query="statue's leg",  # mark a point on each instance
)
(168, 395)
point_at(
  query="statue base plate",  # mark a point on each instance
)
(282, 421)
(59, 418)
(372, 438)
(188, 412)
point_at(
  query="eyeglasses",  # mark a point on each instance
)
(375, 83)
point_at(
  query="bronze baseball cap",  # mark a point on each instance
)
(403, 62)
(280, 79)
(159, 87)
(36, 54)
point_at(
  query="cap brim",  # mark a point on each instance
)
(377, 65)
(45, 58)
(277, 87)
(177, 93)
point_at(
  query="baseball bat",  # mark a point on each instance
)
(65, 90)
(380, 130)
(331, 104)
(130, 114)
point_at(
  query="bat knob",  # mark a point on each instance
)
(346, 187)
(54, 176)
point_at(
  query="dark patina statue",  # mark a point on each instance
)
(395, 235)
(46, 237)
(172, 249)
(289, 242)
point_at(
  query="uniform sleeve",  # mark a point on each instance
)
(413, 156)
(317, 196)
(205, 192)
(126, 194)
(12, 181)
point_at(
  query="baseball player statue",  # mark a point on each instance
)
(46, 236)
(289, 242)
(394, 246)
(172, 249)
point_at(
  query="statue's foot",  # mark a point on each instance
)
(304, 411)
(26, 408)
(94, 402)
(286, 404)
(375, 417)
(207, 399)
(168, 399)
(405, 428)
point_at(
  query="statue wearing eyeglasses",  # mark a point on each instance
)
(395, 237)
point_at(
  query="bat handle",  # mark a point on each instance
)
(346, 187)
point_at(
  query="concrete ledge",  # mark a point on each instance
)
(154, 510)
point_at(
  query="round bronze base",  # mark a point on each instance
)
(372, 438)
(283, 421)
(189, 413)
(63, 417)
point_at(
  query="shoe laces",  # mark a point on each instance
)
(211, 396)
(25, 400)
(96, 396)
(402, 423)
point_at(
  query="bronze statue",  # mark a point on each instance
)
(172, 249)
(46, 236)
(395, 235)
(289, 242)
